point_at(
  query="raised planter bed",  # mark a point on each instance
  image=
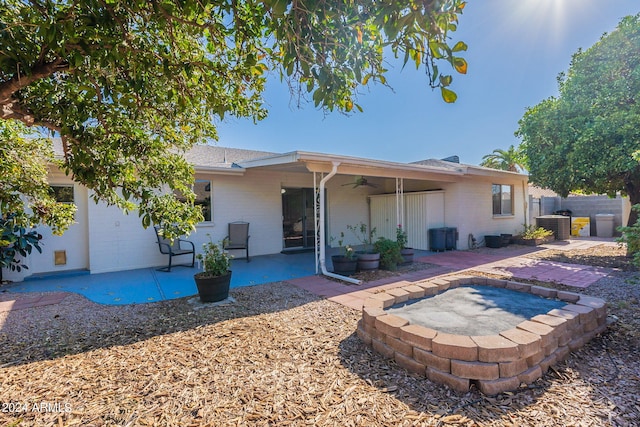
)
(494, 363)
(533, 242)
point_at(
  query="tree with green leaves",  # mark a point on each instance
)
(130, 85)
(511, 160)
(25, 196)
(585, 138)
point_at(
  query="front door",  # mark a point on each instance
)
(298, 229)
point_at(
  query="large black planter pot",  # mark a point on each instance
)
(493, 241)
(407, 255)
(343, 265)
(368, 261)
(213, 288)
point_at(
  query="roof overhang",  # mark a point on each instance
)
(303, 161)
(219, 170)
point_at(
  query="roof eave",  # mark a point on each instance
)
(219, 170)
(323, 161)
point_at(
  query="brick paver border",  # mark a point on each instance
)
(32, 301)
(495, 363)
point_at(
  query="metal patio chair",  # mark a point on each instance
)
(238, 237)
(175, 249)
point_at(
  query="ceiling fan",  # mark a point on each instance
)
(360, 181)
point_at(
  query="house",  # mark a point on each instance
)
(283, 196)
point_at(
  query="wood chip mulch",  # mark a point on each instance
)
(280, 356)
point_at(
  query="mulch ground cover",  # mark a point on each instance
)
(279, 356)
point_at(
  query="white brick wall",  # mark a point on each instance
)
(468, 206)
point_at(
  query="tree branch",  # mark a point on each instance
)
(21, 80)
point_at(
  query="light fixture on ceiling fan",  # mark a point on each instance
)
(360, 181)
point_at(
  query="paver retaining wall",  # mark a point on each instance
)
(495, 363)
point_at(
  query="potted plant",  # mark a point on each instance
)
(401, 240)
(346, 262)
(389, 253)
(213, 283)
(533, 236)
(368, 258)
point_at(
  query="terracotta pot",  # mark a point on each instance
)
(343, 265)
(368, 261)
(213, 288)
(407, 255)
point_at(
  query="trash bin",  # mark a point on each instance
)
(438, 239)
(451, 238)
(604, 225)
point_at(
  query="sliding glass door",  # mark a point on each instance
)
(298, 229)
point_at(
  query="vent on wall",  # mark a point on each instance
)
(60, 257)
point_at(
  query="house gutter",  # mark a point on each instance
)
(323, 264)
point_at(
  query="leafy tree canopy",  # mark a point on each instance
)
(512, 159)
(25, 198)
(585, 138)
(129, 85)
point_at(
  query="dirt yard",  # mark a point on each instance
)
(280, 356)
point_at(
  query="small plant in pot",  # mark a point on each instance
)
(346, 262)
(401, 240)
(368, 258)
(213, 283)
(389, 254)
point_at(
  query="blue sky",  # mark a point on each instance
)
(517, 48)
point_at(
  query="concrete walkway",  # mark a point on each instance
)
(354, 295)
(510, 262)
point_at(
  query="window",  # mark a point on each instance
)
(502, 196)
(202, 189)
(62, 193)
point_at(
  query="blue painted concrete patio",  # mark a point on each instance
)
(148, 285)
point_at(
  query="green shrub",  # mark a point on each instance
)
(363, 235)
(401, 237)
(16, 243)
(216, 261)
(631, 236)
(532, 232)
(389, 251)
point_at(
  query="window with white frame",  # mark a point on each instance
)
(202, 189)
(502, 197)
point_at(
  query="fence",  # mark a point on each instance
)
(583, 206)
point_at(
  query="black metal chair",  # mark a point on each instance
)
(174, 248)
(238, 237)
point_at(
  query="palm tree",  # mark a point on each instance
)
(511, 160)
